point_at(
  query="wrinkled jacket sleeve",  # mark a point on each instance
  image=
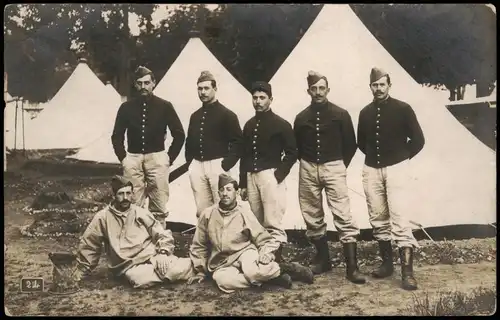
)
(361, 136)
(244, 157)
(348, 139)
(162, 238)
(290, 150)
(235, 136)
(260, 236)
(90, 245)
(188, 154)
(118, 136)
(177, 131)
(200, 247)
(417, 140)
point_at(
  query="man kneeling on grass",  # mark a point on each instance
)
(230, 244)
(137, 246)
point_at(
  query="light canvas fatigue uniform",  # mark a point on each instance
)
(213, 145)
(269, 152)
(267, 199)
(386, 191)
(131, 240)
(204, 176)
(389, 135)
(227, 244)
(331, 177)
(149, 172)
(326, 142)
(146, 163)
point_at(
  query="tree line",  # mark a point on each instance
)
(438, 44)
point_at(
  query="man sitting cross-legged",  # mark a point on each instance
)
(137, 246)
(236, 249)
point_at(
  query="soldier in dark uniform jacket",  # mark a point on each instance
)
(146, 164)
(389, 135)
(213, 143)
(269, 152)
(326, 142)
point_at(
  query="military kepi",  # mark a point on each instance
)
(205, 76)
(376, 74)
(225, 179)
(118, 182)
(142, 71)
(262, 86)
(313, 77)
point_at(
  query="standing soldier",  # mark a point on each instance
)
(213, 143)
(389, 135)
(263, 168)
(146, 164)
(326, 142)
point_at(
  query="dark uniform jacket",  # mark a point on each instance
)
(214, 132)
(324, 133)
(146, 119)
(268, 142)
(389, 133)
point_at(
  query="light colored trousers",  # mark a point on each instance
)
(147, 274)
(331, 177)
(386, 190)
(149, 175)
(204, 177)
(245, 272)
(267, 201)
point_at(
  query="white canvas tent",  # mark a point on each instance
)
(14, 122)
(76, 115)
(471, 99)
(453, 178)
(179, 87)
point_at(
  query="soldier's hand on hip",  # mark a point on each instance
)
(244, 194)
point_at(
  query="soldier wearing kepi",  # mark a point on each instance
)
(145, 119)
(213, 143)
(389, 135)
(326, 142)
(263, 169)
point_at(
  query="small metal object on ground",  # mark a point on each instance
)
(64, 273)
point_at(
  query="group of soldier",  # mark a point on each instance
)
(236, 248)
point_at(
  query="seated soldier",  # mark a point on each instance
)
(230, 244)
(138, 247)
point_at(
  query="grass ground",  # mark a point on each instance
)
(450, 273)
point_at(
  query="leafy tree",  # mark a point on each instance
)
(438, 44)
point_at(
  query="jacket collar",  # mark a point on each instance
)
(264, 115)
(210, 105)
(226, 213)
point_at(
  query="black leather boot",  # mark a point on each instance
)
(283, 280)
(321, 262)
(386, 268)
(352, 271)
(297, 272)
(406, 256)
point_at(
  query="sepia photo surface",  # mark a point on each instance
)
(250, 159)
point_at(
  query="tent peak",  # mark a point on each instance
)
(194, 34)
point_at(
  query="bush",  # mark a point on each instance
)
(481, 301)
